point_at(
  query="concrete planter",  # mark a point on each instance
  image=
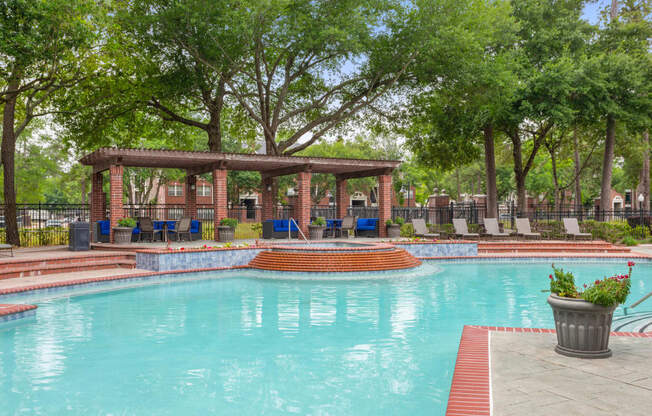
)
(582, 327)
(122, 235)
(316, 232)
(394, 231)
(225, 233)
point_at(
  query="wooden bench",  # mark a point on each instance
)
(7, 247)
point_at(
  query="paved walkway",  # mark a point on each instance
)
(529, 378)
(64, 277)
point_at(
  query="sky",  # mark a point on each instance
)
(592, 10)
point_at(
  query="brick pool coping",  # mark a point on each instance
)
(470, 392)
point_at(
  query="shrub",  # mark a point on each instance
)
(127, 222)
(319, 221)
(563, 283)
(257, 228)
(407, 230)
(229, 222)
(399, 220)
(630, 241)
(611, 231)
(389, 222)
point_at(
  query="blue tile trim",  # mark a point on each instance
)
(18, 315)
(441, 249)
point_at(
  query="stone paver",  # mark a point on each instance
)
(529, 378)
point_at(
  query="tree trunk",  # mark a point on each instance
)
(578, 186)
(83, 189)
(8, 153)
(555, 179)
(519, 175)
(644, 177)
(607, 165)
(214, 132)
(457, 179)
(490, 167)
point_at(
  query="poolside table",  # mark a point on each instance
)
(333, 226)
(165, 226)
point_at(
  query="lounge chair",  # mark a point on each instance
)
(146, 226)
(523, 229)
(349, 223)
(7, 247)
(462, 230)
(573, 229)
(421, 230)
(182, 228)
(492, 229)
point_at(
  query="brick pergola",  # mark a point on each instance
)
(196, 163)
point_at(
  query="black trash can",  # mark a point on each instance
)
(79, 236)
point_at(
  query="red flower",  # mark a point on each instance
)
(585, 285)
(550, 277)
(626, 276)
(182, 248)
(630, 264)
(597, 282)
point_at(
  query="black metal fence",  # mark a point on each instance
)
(47, 224)
(44, 224)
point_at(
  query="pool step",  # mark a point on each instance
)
(13, 268)
(633, 322)
(550, 247)
(334, 261)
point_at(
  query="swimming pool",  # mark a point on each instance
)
(249, 346)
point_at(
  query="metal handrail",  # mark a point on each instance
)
(635, 304)
(290, 221)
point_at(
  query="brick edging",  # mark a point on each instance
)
(470, 392)
(11, 312)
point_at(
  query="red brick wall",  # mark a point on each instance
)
(219, 197)
(98, 198)
(191, 197)
(341, 198)
(181, 200)
(267, 200)
(115, 206)
(303, 201)
(384, 202)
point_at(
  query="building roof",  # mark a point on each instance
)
(201, 162)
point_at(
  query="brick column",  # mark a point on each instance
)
(191, 197)
(384, 203)
(341, 198)
(267, 199)
(220, 208)
(116, 211)
(98, 203)
(303, 202)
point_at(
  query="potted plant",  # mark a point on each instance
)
(316, 228)
(122, 233)
(393, 228)
(226, 229)
(583, 317)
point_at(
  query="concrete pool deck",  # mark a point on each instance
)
(515, 371)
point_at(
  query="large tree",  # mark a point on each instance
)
(619, 70)
(45, 47)
(309, 65)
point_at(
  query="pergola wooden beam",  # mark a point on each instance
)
(290, 170)
(205, 168)
(364, 173)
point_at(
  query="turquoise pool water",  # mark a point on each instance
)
(246, 346)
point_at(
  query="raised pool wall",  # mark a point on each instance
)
(164, 260)
(440, 249)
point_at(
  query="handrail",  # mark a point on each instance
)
(635, 304)
(290, 221)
